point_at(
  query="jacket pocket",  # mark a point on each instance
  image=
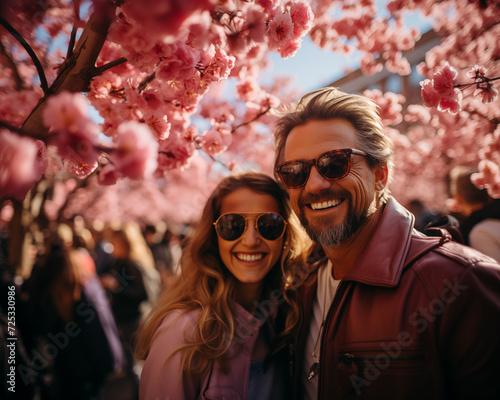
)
(366, 366)
(221, 393)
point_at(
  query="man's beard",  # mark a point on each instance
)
(327, 233)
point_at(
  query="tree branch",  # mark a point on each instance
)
(211, 157)
(72, 40)
(76, 71)
(146, 82)
(252, 120)
(22, 132)
(105, 67)
(27, 47)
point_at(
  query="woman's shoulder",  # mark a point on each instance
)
(180, 322)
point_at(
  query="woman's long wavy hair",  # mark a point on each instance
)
(207, 286)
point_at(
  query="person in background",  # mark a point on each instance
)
(479, 214)
(64, 323)
(161, 253)
(222, 329)
(423, 216)
(388, 313)
(125, 285)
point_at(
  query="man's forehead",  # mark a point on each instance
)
(318, 136)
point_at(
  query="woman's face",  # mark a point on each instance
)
(250, 257)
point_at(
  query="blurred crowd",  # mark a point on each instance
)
(78, 306)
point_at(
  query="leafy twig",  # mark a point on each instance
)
(27, 47)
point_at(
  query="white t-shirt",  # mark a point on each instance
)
(324, 296)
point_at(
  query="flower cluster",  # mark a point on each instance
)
(443, 93)
(73, 132)
(23, 162)
(440, 91)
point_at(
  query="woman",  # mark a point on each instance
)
(218, 332)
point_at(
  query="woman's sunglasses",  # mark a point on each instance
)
(231, 226)
(332, 165)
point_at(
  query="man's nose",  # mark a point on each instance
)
(316, 182)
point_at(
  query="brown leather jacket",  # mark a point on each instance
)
(416, 317)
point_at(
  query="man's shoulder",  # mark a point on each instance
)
(450, 258)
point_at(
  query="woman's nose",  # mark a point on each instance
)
(251, 235)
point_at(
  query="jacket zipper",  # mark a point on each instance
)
(348, 358)
(323, 333)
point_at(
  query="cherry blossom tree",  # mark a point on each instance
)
(109, 99)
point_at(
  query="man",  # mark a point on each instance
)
(388, 313)
(480, 223)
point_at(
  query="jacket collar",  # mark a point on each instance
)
(381, 262)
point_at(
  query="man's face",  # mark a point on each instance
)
(331, 211)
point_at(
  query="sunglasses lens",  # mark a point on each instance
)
(294, 174)
(271, 226)
(334, 165)
(230, 226)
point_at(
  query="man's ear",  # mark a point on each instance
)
(381, 177)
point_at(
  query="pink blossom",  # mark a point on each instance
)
(75, 133)
(302, 17)
(267, 5)
(488, 94)
(22, 163)
(451, 104)
(214, 142)
(429, 95)
(66, 112)
(488, 177)
(160, 126)
(108, 175)
(164, 17)
(220, 114)
(290, 48)
(443, 81)
(79, 168)
(390, 105)
(417, 113)
(175, 152)
(168, 70)
(255, 23)
(136, 150)
(80, 146)
(280, 29)
(477, 72)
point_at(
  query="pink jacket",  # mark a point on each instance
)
(162, 380)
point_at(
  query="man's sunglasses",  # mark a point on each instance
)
(332, 165)
(231, 226)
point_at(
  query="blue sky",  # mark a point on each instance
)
(312, 67)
